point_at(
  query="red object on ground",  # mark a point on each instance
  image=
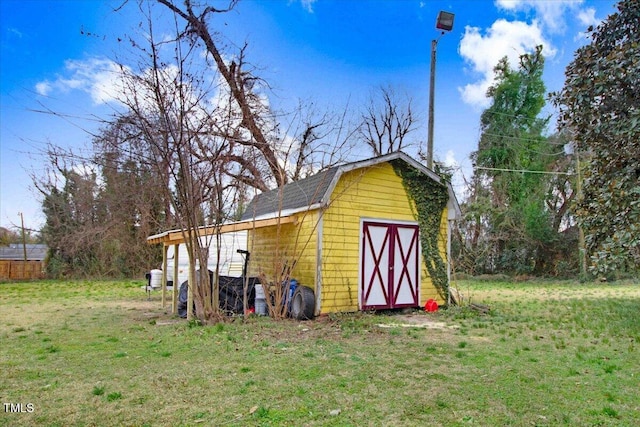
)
(431, 305)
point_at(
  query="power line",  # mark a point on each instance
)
(541, 138)
(520, 138)
(525, 171)
(515, 116)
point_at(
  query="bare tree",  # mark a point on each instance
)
(316, 140)
(264, 150)
(387, 121)
(241, 84)
(208, 130)
(190, 139)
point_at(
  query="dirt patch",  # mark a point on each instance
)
(416, 321)
(166, 322)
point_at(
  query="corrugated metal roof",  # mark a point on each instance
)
(15, 252)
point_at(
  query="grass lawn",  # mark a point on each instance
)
(100, 354)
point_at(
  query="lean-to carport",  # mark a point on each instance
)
(176, 237)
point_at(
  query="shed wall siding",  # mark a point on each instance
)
(375, 192)
(297, 243)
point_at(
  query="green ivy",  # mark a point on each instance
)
(430, 198)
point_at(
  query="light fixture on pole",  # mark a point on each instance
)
(444, 23)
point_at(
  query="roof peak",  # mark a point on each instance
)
(314, 190)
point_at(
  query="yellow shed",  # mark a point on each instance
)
(373, 234)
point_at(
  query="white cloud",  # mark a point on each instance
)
(43, 88)
(588, 17)
(550, 12)
(508, 4)
(106, 81)
(458, 177)
(482, 53)
(100, 78)
(450, 160)
(15, 32)
(306, 4)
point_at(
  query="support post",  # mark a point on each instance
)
(176, 282)
(192, 285)
(192, 273)
(165, 248)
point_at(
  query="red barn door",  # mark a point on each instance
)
(389, 266)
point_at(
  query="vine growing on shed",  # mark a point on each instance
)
(430, 198)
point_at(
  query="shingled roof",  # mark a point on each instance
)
(316, 189)
(295, 195)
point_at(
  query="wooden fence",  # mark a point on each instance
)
(21, 270)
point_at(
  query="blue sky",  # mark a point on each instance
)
(55, 56)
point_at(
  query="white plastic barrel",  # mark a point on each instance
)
(261, 301)
(156, 278)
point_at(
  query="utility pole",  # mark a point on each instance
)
(24, 246)
(445, 24)
(432, 82)
(24, 237)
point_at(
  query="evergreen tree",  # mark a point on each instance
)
(600, 108)
(513, 227)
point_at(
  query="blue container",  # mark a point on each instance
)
(288, 296)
